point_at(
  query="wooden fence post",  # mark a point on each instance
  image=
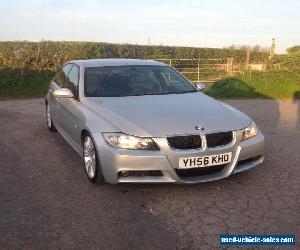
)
(229, 66)
(198, 71)
(247, 59)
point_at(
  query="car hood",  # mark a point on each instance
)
(163, 115)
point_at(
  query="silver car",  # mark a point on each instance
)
(142, 121)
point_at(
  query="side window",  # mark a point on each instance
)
(171, 78)
(61, 76)
(73, 78)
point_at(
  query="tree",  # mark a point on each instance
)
(294, 49)
(256, 48)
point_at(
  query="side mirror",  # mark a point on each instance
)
(63, 93)
(200, 86)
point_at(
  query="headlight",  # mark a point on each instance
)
(120, 140)
(249, 132)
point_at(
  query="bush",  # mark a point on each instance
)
(294, 49)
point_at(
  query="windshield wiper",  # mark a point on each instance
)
(147, 93)
(184, 92)
(162, 93)
(152, 93)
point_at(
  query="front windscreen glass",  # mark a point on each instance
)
(134, 80)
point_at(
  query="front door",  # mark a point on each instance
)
(70, 114)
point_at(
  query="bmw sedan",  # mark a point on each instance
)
(142, 121)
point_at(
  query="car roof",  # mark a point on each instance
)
(116, 62)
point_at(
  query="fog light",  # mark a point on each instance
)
(140, 173)
(125, 173)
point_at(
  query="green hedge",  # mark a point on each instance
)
(24, 83)
(49, 55)
(290, 63)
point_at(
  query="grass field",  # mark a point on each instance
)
(264, 85)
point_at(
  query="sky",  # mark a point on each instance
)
(209, 23)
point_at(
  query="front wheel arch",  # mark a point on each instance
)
(50, 123)
(84, 133)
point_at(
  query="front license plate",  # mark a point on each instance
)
(205, 161)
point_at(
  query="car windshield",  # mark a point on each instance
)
(134, 80)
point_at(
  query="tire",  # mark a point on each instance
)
(91, 161)
(50, 124)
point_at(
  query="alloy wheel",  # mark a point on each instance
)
(49, 119)
(89, 154)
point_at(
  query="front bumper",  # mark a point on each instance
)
(246, 154)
